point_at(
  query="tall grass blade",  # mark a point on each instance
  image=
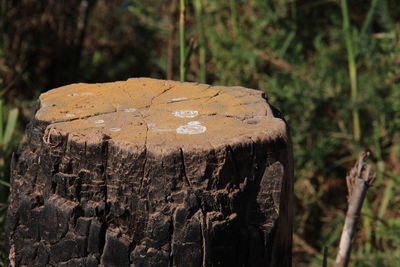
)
(10, 127)
(325, 257)
(4, 183)
(182, 53)
(367, 225)
(369, 17)
(189, 51)
(1, 122)
(198, 5)
(234, 16)
(352, 69)
(387, 195)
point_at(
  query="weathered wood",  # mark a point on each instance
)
(359, 179)
(148, 172)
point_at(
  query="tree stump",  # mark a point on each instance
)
(150, 172)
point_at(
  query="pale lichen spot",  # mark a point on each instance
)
(99, 121)
(186, 113)
(69, 115)
(130, 110)
(194, 123)
(178, 99)
(115, 129)
(151, 125)
(192, 127)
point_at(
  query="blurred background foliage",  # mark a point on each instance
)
(331, 66)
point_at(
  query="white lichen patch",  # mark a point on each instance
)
(130, 110)
(151, 125)
(178, 99)
(186, 113)
(115, 129)
(69, 115)
(194, 123)
(192, 127)
(99, 121)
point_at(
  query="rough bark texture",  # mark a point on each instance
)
(140, 194)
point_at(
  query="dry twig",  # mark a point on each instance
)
(358, 180)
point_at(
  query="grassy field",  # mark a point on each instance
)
(331, 67)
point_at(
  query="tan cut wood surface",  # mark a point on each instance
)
(160, 113)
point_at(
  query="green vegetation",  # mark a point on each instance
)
(331, 66)
(7, 128)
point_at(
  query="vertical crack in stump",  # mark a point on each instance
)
(145, 151)
(204, 234)
(171, 232)
(202, 216)
(236, 172)
(103, 214)
(183, 169)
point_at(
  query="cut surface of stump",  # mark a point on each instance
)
(148, 172)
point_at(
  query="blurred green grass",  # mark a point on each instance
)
(331, 67)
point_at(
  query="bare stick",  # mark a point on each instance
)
(358, 181)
